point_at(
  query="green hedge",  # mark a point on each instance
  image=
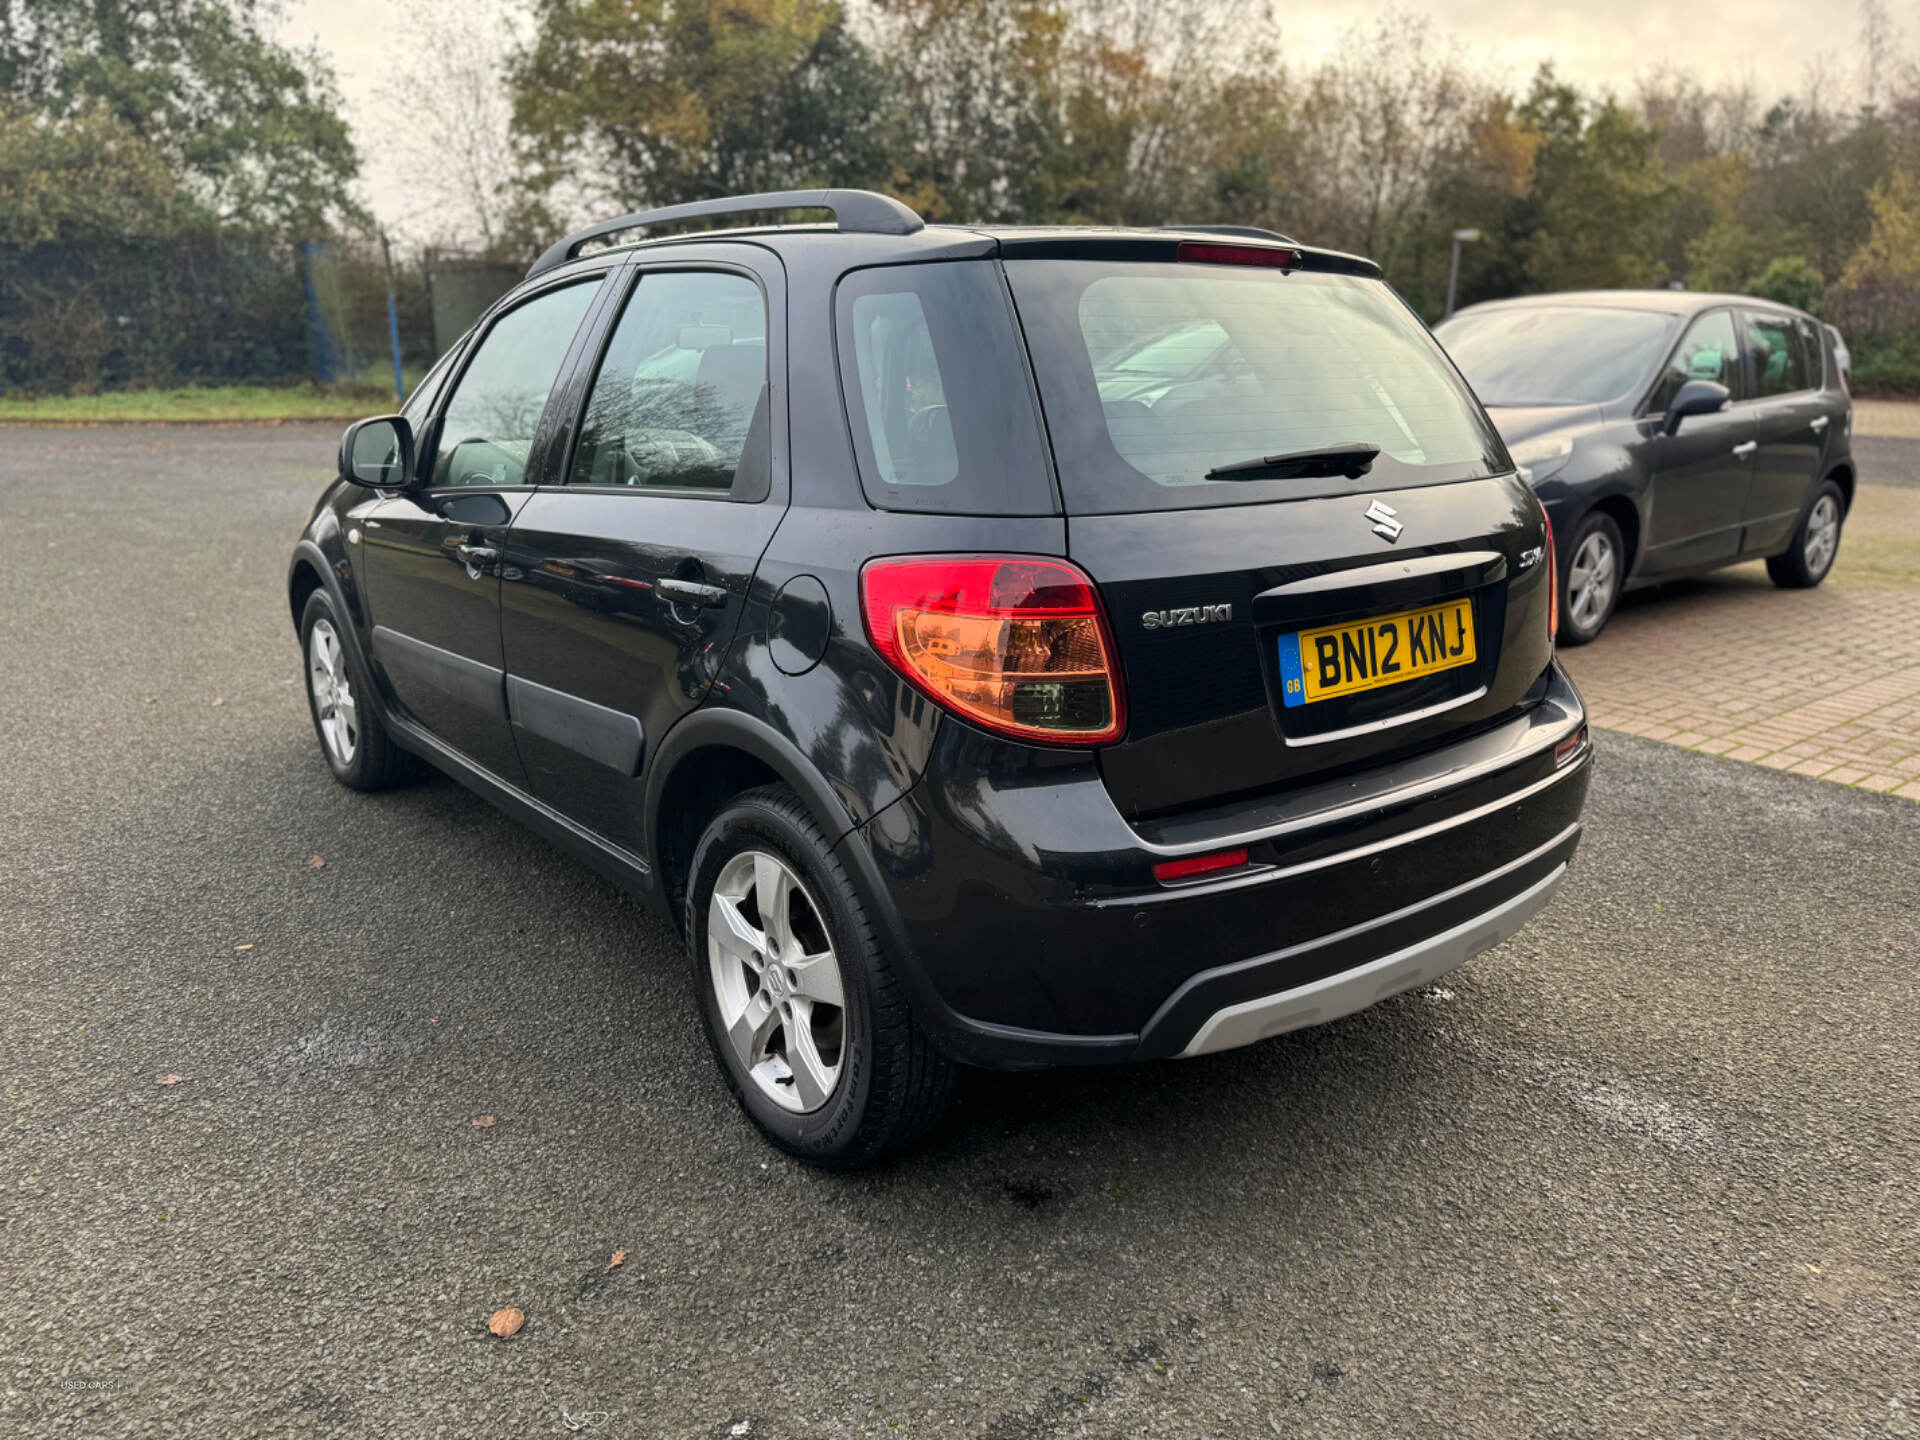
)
(1887, 364)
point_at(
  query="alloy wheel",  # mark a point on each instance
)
(332, 691)
(1823, 535)
(777, 981)
(1591, 580)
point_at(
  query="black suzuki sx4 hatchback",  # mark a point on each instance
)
(1001, 647)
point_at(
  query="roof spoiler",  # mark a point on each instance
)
(861, 212)
(1245, 232)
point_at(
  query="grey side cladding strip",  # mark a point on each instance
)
(468, 680)
(608, 737)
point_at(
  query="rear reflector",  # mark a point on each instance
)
(1199, 865)
(1014, 643)
(1570, 747)
(1204, 254)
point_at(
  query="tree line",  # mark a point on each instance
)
(201, 140)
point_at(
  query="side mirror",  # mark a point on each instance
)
(378, 453)
(1696, 397)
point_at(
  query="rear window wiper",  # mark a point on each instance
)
(1352, 461)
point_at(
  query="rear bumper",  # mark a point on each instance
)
(1024, 918)
(1346, 991)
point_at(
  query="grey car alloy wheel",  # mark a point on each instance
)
(1823, 534)
(777, 980)
(332, 693)
(1591, 580)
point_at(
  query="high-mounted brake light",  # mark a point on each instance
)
(1016, 644)
(1204, 253)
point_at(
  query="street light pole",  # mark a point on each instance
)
(1460, 237)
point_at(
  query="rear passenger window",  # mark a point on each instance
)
(1810, 339)
(1705, 352)
(680, 402)
(1779, 363)
(935, 379)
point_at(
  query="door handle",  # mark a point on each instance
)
(1746, 448)
(691, 592)
(1819, 424)
(477, 555)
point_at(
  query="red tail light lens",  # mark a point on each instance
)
(1205, 254)
(1553, 582)
(1016, 644)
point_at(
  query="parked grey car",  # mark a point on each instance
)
(1667, 433)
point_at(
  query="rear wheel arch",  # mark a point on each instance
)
(706, 760)
(1842, 475)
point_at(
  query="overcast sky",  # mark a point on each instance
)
(1769, 43)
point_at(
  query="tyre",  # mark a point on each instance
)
(807, 1021)
(339, 697)
(1590, 580)
(1810, 555)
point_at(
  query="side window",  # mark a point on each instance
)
(487, 432)
(901, 391)
(1816, 349)
(680, 400)
(421, 400)
(939, 403)
(1779, 364)
(1705, 352)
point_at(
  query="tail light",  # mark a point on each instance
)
(1553, 581)
(1016, 644)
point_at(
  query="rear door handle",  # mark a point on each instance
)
(1820, 424)
(691, 592)
(1746, 448)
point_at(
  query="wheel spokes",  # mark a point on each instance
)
(816, 978)
(737, 936)
(812, 1077)
(773, 895)
(752, 1028)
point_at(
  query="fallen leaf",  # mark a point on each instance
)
(247, 946)
(169, 1080)
(316, 863)
(619, 1259)
(485, 1122)
(507, 1322)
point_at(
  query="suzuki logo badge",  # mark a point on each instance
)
(1384, 525)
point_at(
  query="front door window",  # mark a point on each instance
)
(486, 435)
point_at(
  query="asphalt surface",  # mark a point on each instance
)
(1887, 459)
(1646, 1170)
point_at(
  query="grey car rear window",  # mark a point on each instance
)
(1153, 374)
(937, 391)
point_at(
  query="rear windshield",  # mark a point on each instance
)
(940, 405)
(1151, 375)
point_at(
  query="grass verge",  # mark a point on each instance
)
(200, 404)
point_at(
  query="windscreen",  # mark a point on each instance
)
(1553, 355)
(1152, 375)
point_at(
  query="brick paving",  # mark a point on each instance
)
(1822, 682)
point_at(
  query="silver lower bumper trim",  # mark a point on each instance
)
(1336, 995)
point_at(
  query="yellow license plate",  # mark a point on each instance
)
(1369, 654)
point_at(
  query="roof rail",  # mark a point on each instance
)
(1249, 232)
(855, 211)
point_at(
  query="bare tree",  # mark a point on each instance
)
(448, 111)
